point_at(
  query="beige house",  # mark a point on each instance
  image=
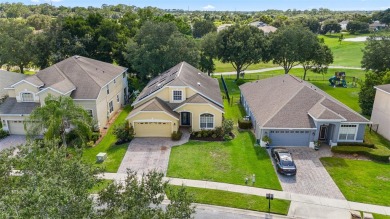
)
(182, 96)
(381, 110)
(101, 88)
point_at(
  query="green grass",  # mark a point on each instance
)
(114, 152)
(227, 67)
(104, 183)
(360, 181)
(381, 216)
(375, 138)
(237, 200)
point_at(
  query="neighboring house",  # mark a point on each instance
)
(99, 87)
(343, 25)
(376, 25)
(268, 29)
(381, 110)
(181, 96)
(223, 27)
(258, 24)
(293, 112)
(8, 78)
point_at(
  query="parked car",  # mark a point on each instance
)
(284, 162)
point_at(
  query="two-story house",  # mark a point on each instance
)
(99, 87)
(381, 110)
(181, 96)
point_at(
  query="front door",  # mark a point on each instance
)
(323, 132)
(186, 118)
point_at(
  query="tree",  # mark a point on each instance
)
(376, 54)
(330, 26)
(367, 91)
(242, 46)
(266, 19)
(201, 28)
(51, 183)
(157, 47)
(318, 57)
(383, 16)
(143, 199)
(357, 27)
(208, 52)
(39, 21)
(56, 116)
(292, 45)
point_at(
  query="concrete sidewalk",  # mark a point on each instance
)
(302, 206)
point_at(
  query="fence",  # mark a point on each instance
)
(225, 88)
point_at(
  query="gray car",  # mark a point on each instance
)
(284, 162)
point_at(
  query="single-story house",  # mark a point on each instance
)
(182, 96)
(293, 112)
(381, 110)
(99, 87)
(376, 25)
(8, 78)
(268, 29)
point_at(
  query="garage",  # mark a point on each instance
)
(16, 127)
(153, 129)
(290, 137)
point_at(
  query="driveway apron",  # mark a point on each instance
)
(12, 141)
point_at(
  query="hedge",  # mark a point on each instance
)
(3, 134)
(361, 144)
(369, 152)
(244, 124)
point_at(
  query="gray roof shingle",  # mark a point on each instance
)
(11, 106)
(7, 79)
(385, 87)
(155, 104)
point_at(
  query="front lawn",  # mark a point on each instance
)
(115, 153)
(104, 183)
(360, 181)
(237, 200)
(228, 162)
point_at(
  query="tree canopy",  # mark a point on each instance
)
(330, 26)
(203, 27)
(208, 52)
(357, 27)
(376, 54)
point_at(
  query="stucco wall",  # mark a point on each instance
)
(198, 109)
(381, 113)
(4, 120)
(155, 117)
(25, 87)
(360, 132)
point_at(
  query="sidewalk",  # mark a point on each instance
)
(301, 205)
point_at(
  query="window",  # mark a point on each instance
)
(347, 132)
(272, 131)
(27, 97)
(111, 106)
(177, 95)
(114, 81)
(206, 121)
(117, 98)
(89, 112)
(281, 131)
(108, 89)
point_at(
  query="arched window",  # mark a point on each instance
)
(27, 97)
(206, 121)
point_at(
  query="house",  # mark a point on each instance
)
(6, 79)
(182, 96)
(99, 87)
(293, 112)
(223, 27)
(268, 29)
(381, 110)
(376, 25)
(344, 24)
(258, 24)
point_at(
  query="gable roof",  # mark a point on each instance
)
(84, 76)
(184, 74)
(196, 99)
(385, 88)
(155, 104)
(7, 79)
(288, 102)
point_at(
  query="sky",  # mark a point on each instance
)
(227, 5)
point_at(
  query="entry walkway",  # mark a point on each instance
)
(302, 206)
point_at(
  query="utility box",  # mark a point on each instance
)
(100, 157)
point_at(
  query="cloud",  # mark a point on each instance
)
(208, 7)
(35, 1)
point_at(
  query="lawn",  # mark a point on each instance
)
(381, 216)
(114, 152)
(237, 200)
(360, 181)
(227, 67)
(104, 183)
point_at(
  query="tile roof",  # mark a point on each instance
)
(7, 79)
(286, 102)
(385, 87)
(184, 74)
(155, 104)
(87, 76)
(11, 106)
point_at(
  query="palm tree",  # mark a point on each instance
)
(55, 117)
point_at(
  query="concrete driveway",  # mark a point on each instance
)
(312, 177)
(12, 141)
(146, 154)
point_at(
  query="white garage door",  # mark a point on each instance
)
(153, 129)
(16, 127)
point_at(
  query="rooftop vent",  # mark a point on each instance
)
(198, 83)
(76, 57)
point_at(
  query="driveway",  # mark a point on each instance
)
(146, 154)
(312, 177)
(12, 141)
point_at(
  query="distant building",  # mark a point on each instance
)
(258, 24)
(268, 29)
(223, 27)
(377, 25)
(343, 25)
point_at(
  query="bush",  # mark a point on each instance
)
(123, 132)
(361, 144)
(214, 135)
(3, 134)
(176, 136)
(219, 131)
(244, 124)
(227, 126)
(95, 136)
(369, 152)
(227, 138)
(90, 144)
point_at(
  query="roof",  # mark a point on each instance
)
(288, 102)
(155, 104)
(268, 29)
(84, 76)
(197, 99)
(7, 79)
(184, 74)
(385, 87)
(11, 106)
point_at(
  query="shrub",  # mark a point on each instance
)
(176, 136)
(90, 144)
(356, 144)
(227, 126)
(123, 132)
(95, 136)
(244, 124)
(267, 139)
(3, 134)
(214, 135)
(371, 153)
(219, 131)
(198, 134)
(227, 137)
(205, 133)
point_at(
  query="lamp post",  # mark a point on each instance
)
(270, 197)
